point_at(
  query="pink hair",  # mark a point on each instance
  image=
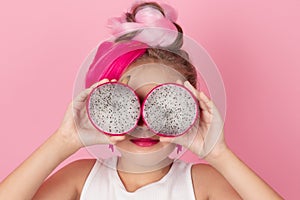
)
(112, 59)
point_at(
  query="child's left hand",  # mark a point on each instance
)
(206, 137)
(76, 125)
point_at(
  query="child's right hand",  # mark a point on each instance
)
(76, 127)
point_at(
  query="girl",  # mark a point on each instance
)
(144, 171)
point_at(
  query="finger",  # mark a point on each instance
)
(206, 117)
(189, 86)
(205, 106)
(204, 102)
(205, 99)
(84, 94)
(99, 83)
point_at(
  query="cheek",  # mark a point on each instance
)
(168, 147)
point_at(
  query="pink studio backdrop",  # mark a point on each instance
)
(254, 43)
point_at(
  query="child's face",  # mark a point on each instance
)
(143, 78)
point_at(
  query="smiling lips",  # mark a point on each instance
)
(144, 142)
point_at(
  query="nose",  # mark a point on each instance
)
(141, 122)
(141, 132)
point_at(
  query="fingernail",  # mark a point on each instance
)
(190, 87)
(187, 84)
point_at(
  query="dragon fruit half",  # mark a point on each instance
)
(170, 110)
(113, 108)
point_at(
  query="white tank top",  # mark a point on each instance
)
(104, 183)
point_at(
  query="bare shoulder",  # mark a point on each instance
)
(84, 166)
(210, 184)
(66, 183)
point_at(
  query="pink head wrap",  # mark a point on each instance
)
(155, 25)
(112, 58)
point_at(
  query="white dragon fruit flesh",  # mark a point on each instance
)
(170, 110)
(113, 108)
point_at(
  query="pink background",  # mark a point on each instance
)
(254, 43)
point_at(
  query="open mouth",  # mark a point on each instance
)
(144, 142)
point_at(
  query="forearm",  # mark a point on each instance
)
(242, 178)
(23, 182)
